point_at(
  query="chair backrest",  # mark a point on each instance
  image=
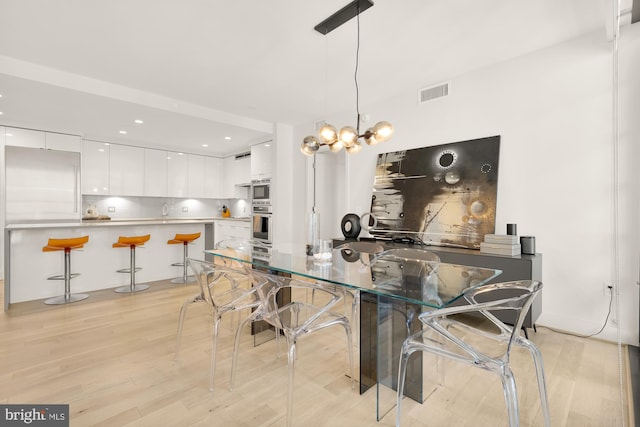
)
(213, 279)
(295, 315)
(516, 296)
(241, 249)
(409, 269)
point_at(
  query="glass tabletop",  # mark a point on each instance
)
(433, 284)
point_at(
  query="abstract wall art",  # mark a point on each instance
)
(441, 195)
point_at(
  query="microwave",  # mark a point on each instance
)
(260, 192)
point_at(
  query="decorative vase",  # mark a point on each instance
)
(350, 226)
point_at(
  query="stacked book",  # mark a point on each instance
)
(500, 244)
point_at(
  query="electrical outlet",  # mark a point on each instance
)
(185, 209)
(111, 208)
(607, 288)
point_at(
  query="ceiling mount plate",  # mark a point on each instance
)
(343, 15)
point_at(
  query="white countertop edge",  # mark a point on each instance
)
(120, 223)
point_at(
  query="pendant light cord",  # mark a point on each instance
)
(355, 76)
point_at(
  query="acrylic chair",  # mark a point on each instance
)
(488, 350)
(421, 264)
(296, 319)
(239, 249)
(352, 252)
(219, 287)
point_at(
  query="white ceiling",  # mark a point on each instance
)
(198, 70)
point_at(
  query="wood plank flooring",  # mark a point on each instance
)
(111, 358)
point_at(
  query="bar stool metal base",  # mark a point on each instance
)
(181, 280)
(131, 289)
(63, 299)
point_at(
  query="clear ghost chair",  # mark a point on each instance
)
(219, 287)
(296, 319)
(478, 347)
(352, 251)
(239, 249)
(419, 263)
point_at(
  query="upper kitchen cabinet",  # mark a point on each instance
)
(155, 173)
(95, 168)
(126, 170)
(62, 142)
(195, 176)
(236, 177)
(178, 174)
(37, 139)
(213, 178)
(261, 161)
(25, 138)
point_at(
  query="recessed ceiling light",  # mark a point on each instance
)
(180, 154)
(9, 134)
(138, 121)
(227, 137)
(1, 113)
(205, 145)
(124, 132)
(267, 145)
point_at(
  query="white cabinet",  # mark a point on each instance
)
(261, 161)
(25, 138)
(95, 168)
(230, 229)
(62, 142)
(177, 176)
(195, 176)
(213, 177)
(155, 173)
(126, 170)
(237, 172)
(38, 139)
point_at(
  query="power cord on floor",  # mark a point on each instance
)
(591, 335)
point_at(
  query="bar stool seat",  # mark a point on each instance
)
(131, 242)
(184, 240)
(66, 245)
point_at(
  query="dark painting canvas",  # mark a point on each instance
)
(443, 195)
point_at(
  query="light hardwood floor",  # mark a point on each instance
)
(111, 358)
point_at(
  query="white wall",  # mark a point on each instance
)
(553, 109)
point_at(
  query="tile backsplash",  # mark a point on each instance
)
(171, 207)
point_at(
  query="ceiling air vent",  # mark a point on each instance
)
(243, 155)
(433, 92)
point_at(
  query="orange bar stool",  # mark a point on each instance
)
(66, 245)
(131, 243)
(185, 240)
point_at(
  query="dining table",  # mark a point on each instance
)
(392, 291)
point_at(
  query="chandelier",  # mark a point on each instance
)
(348, 137)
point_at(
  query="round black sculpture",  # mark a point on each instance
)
(350, 226)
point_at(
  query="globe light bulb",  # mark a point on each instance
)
(328, 133)
(383, 131)
(348, 135)
(370, 137)
(310, 145)
(336, 146)
(355, 148)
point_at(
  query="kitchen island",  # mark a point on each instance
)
(27, 267)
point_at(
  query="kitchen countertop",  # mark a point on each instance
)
(122, 222)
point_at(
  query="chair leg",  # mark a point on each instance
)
(214, 346)
(352, 372)
(511, 397)
(402, 374)
(291, 359)
(236, 349)
(183, 313)
(542, 386)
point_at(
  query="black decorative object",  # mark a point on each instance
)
(350, 226)
(512, 229)
(528, 245)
